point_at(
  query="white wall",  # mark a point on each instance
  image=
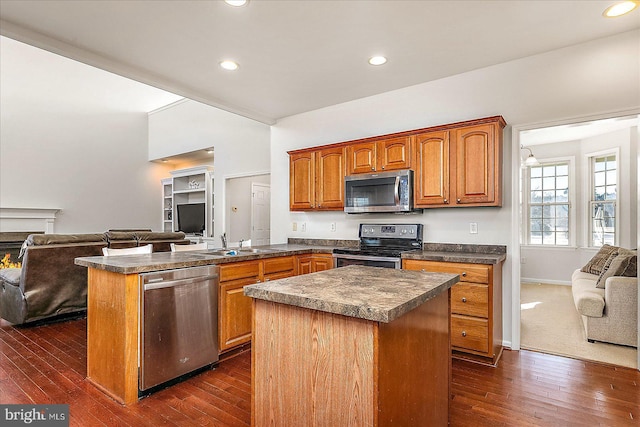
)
(555, 265)
(577, 81)
(241, 145)
(71, 138)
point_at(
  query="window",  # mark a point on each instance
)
(603, 204)
(548, 204)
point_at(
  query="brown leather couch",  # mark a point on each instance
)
(49, 284)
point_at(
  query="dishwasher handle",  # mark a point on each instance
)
(179, 282)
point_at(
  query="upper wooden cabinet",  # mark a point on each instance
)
(378, 156)
(460, 166)
(457, 164)
(316, 179)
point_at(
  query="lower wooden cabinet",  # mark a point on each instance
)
(314, 262)
(234, 308)
(476, 308)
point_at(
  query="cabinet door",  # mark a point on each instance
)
(394, 154)
(432, 169)
(303, 264)
(321, 262)
(234, 314)
(330, 178)
(361, 158)
(301, 181)
(478, 165)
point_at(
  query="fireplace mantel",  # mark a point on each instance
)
(27, 219)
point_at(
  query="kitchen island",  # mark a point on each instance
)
(355, 346)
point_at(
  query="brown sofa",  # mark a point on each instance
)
(49, 284)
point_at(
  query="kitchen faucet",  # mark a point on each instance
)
(223, 237)
(241, 241)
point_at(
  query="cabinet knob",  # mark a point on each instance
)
(458, 200)
(266, 280)
(423, 270)
(464, 333)
(464, 274)
(464, 299)
(258, 281)
(383, 168)
(446, 201)
(372, 168)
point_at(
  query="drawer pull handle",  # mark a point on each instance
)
(464, 333)
(464, 274)
(464, 299)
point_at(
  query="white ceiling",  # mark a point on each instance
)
(297, 56)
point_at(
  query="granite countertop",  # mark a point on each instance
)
(453, 252)
(157, 261)
(371, 293)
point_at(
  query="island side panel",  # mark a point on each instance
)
(415, 366)
(112, 333)
(311, 368)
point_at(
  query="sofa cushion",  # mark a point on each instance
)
(157, 235)
(63, 239)
(596, 264)
(10, 276)
(625, 264)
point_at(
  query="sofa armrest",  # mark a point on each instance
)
(621, 297)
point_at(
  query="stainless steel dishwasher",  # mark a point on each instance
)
(179, 323)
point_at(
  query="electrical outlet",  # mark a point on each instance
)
(473, 228)
(294, 226)
(333, 226)
(303, 227)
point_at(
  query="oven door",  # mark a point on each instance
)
(342, 260)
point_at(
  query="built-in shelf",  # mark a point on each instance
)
(192, 185)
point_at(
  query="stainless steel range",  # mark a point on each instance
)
(381, 245)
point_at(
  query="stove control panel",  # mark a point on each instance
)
(396, 231)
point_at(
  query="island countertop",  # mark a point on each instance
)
(371, 293)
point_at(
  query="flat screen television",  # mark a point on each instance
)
(191, 218)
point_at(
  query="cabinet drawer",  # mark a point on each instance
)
(278, 265)
(239, 270)
(470, 333)
(476, 273)
(471, 299)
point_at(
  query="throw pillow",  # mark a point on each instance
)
(625, 264)
(596, 264)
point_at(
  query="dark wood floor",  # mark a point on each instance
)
(47, 364)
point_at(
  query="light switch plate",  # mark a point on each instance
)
(473, 228)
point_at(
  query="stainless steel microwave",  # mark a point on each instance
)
(379, 192)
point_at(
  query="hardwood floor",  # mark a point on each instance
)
(47, 364)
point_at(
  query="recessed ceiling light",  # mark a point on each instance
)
(229, 65)
(377, 60)
(620, 9)
(236, 3)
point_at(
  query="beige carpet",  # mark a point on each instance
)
(551, 324)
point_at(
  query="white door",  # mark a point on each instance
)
(260, 214)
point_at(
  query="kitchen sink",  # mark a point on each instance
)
(258, 250)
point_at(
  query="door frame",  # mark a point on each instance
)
(516, 211)
(223, 205)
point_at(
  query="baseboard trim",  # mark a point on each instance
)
(551, 282)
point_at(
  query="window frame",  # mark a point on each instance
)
(526, 198)
(589, 199)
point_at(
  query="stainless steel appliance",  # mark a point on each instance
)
(381, 245)
(179, 323)
(379, 192)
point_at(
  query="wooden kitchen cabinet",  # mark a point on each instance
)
(234, 308)
(461, 166)
(379, 156)
(314, 262)
(476, 308)
(316, 179)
